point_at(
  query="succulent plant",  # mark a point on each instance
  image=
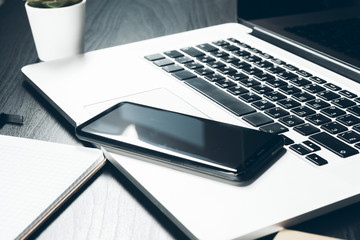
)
(51, 3)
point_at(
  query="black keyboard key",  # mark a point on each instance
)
(214, 77)
(219, 54)
(299, 82)
(257, 119)
(276, 112)
(343, 102)
(207, 47)
(357, 128)
(183, 75)
(264, 76)
(332, 87)
(276, 83)
(328, 95)
(183, 60)
(287, 75)
(298, 148)
(317, 80)
(291, 120)
(274, 96)
(230, 47)
(254, 50)
(154, 57)
(303, 96)
(289, 89)
(312, 146)
(235, 41)
(263, 104)
(163, 62)
(263, 64)
(206, 59)
(173, 68)
(287, 140)
(252, 58)
(221, 43)
(216, 64)
(193, 52)
(318, 119)
(232, 104)
(237, 76)
(334, 127)
(230, 59)
(334, 145)
(357, 99)
(306, 129)
(237, 90)
(317, 104)
(303, 73)
(316, 159)
(348, 120)
(240, 65)
(249, 97)
(350, 137)
(241, 53)
(265, 55)
(333, 112)
(174, 54)
(275, 128)
(290, 67)
(313, 88)
(261, 89)
(289, 103)
(251, 70)
(278, 61)
(250, 82)
(226, 70)
(302, 111)
(275, 69)
(355, 110)
(225, 83)
(347, 93)
(204, 71)
(194, 65)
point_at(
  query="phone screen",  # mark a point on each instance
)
(220, 145)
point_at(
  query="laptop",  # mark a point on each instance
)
(238, 73)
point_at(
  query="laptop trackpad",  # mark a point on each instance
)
(159, 98)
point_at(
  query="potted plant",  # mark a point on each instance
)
(57, 27)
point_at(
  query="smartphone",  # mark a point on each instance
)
(227, 152)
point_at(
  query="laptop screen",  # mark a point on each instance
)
(329, 26)
(250, 10)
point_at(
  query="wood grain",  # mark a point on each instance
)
(109, 207)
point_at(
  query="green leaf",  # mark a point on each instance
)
(52, 3)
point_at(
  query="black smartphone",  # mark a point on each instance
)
(228, 152)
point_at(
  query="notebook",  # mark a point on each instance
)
(36, 178)
(233, 74)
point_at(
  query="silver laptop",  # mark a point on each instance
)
(228, 73)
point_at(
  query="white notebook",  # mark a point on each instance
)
(36, 177)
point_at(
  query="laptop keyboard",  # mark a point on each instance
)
(270, 94)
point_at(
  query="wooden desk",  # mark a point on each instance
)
(109, 207)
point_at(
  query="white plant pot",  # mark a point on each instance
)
(58, 32)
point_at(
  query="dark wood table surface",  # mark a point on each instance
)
(109, 207)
